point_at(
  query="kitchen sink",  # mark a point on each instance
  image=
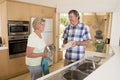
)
(74, 75)
(88, 67)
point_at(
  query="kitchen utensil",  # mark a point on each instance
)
(66, 46)
(50, 49)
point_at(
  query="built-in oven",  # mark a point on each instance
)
(18, 32)
(18, 27)
(17, 46)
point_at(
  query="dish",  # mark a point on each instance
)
(66, 46)
(50, 49)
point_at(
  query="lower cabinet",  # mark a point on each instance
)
(17, 66)
(3, 64)
(11, 67)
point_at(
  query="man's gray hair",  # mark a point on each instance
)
(75, 12)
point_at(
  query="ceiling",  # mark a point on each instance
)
(80, 5)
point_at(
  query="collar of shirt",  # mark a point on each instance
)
(74, 27)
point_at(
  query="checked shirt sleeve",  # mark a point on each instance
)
(86, 35)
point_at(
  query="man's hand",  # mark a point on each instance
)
(74, 43)
(63, 45)
(80, 43)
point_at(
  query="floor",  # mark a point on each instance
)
(27, 75)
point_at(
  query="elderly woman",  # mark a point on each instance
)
(35, 49)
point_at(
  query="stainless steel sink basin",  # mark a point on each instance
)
(74, 75)
(87, 67)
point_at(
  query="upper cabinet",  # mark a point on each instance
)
(18, 11)
(50, 13)
(42, 11)
(0, 19)
(15, 10)
(3, 21)
(35, 11)
(23, 11)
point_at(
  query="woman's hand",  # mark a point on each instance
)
(46, 55)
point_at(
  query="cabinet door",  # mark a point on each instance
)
(0, 19)
(18, 11)
(17, 66)
(3, 64)
(36, 11)
(47, 14)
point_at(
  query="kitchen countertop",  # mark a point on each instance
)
(58, 74)
(110, 70)
(3, 48)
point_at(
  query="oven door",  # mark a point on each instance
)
(18, 28)
(15, 29)
(17, 46)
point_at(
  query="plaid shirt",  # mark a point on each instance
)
(79, 33)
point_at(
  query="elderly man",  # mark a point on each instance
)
(77, 33)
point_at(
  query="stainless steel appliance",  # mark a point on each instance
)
(18, 32)
(17, 46)
(18, 27)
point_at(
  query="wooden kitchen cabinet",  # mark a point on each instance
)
(3, 22)
(17, 66)
(18, 11)
(11, 67)
(48, 14)
(3, 64)
(42, 11)
(36, 11)
(0, 18)
(14, 10)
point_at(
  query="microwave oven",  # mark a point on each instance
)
(18, 28)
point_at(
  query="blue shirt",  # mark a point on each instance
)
(78, 33)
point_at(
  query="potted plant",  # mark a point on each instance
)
(99, 42)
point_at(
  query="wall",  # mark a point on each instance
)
(115, 30)
(95, 22)
(87, 5)
(51, 3)
(80, 5)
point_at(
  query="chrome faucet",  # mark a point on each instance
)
(93, 63)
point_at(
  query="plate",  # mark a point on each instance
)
(66, 46)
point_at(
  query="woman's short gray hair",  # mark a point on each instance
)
(37, 22)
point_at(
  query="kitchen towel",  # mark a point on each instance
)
(45, 66)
